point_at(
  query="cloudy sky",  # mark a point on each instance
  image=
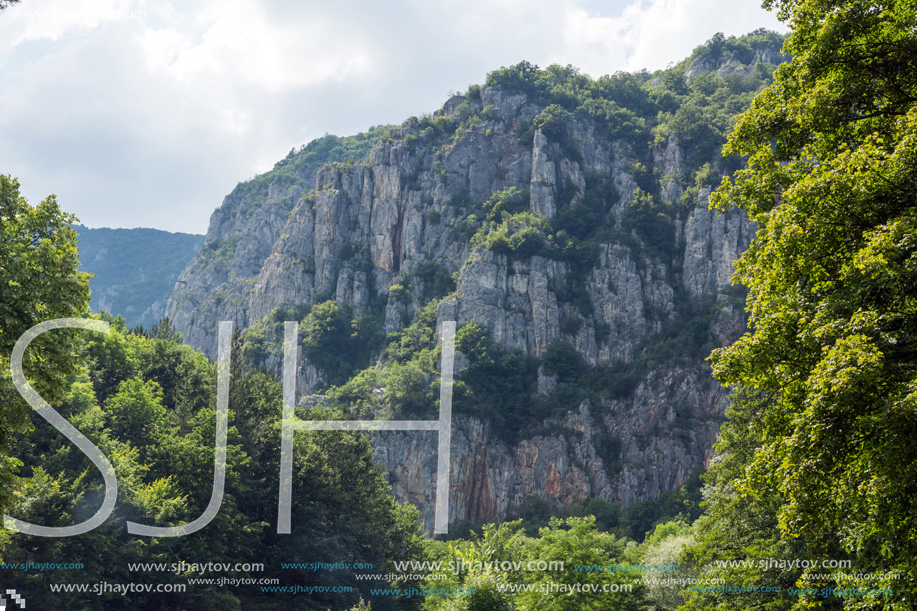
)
(140, 113)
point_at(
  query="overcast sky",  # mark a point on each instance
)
(141, 113)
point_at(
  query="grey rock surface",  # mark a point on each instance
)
(367, 226)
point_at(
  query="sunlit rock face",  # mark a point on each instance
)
(365, 226)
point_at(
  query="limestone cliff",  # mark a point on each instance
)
(586, 224)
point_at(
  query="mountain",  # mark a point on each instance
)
(563, 222)
(134, 269)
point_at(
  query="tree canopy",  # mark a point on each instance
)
(148, 403)
(820, 438)
(39, 280)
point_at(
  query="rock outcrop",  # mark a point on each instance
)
(369, 227)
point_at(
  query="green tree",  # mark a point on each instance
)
(661, 549)
(696, 132)
(136, 412)
(650, 219)
(497, 384)
(552, 121)
(342, 505)
(484, 593)
(576, 541)
(327, 340)
(39, 280)
(827, 378)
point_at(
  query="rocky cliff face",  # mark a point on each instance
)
(362, 235)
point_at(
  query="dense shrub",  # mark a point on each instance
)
(652, 220)
(499, 384)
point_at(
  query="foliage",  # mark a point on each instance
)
(404, 345)
(536, 513)
(572, 374)
(741, 527)
(521, 234)
(505, 202)
(326, 339)
(402, 386)
(578, 542)
(575, 541)
(635, 522)
(39, 280)
(613, 121)
(826, 380)
(584, 218)
(720, 49)
(651, 219)
(552, 121)
(707, 177)
(334, 342)
(663, 548)
(696, 131)
(148, 404)
(135, 413)
(498, 385)
(434, 279)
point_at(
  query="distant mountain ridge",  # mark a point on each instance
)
(134, 269)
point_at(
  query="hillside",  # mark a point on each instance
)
(134, 269)
(562, 221)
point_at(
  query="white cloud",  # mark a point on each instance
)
(41, 19)
(141, 113)
(240, 43)
(651, 35)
